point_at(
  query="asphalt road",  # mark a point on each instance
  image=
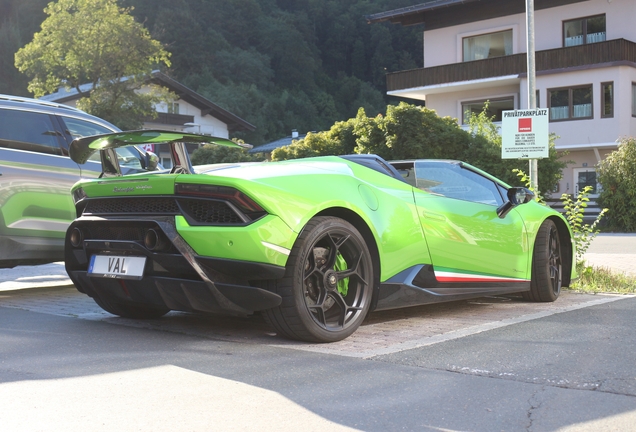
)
(571, 370)
(490, 364)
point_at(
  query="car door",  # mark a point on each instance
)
(467, 241)
(35, 178)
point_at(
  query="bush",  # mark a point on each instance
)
(413, 132)
(616, 176)
(484, 152)
(410, 132)
(574, 212)
(336, 141)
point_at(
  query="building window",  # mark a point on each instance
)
(585, 179)
(607, 94)
(173, 108)
(166, 162)
(487, 45)
(570, 103)
(584, 30)
(494, 111)
(633, 99)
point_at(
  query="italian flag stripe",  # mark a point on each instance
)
(455, 276)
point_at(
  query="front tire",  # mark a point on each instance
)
(547, 267)
(327, 287)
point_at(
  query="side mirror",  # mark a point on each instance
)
(516, 196)
(152, 161)
(520, 195)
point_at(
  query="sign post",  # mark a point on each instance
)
(532, 75)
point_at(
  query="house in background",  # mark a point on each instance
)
(191, 112)
(475, 51)
(267, 148)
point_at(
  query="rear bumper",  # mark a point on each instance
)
(178, 294)
(176, 277)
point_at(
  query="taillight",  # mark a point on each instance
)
(78, 195)
(235, 196)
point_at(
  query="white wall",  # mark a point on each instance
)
(580, 160)
(209, 125)
(587, 140)
(596, 130)
(444, 46)
(450, 103)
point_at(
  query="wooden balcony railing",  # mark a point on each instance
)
(613, 51)
(171, 119)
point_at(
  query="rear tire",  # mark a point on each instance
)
(134, 311)
(326, 289)
(547, 267)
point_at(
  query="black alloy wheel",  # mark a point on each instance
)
(327, 288)
(547, 265)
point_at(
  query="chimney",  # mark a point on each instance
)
(294, 134)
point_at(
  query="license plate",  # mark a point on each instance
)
(117, 267)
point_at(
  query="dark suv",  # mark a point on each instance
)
(36, 175)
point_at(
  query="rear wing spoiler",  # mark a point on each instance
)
(82, 148)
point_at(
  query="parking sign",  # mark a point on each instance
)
(524, 134)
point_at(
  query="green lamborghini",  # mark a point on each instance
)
(313, 244)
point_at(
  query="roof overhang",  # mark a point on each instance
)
(206, 106)
(233, 122)
(437, 14)
(587, 146)
(420, 93)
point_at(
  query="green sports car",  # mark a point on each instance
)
(313, 244)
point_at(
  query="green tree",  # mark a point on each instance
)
(369, 133)
(405, 132)
(418, 132)
(259, 59)
(616, 175)
(19, 20)
(410, 132)
(283, 65)
(95, 42)
(338, 140)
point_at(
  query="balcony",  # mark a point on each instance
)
(580, 56)
(170, 119)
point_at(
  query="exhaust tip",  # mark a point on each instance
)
(155, 241)
(77, 237)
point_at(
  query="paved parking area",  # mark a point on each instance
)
(382, 333)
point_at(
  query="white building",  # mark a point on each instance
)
(475, 51)
(191, 112)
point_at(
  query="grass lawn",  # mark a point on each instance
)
(603, 280)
